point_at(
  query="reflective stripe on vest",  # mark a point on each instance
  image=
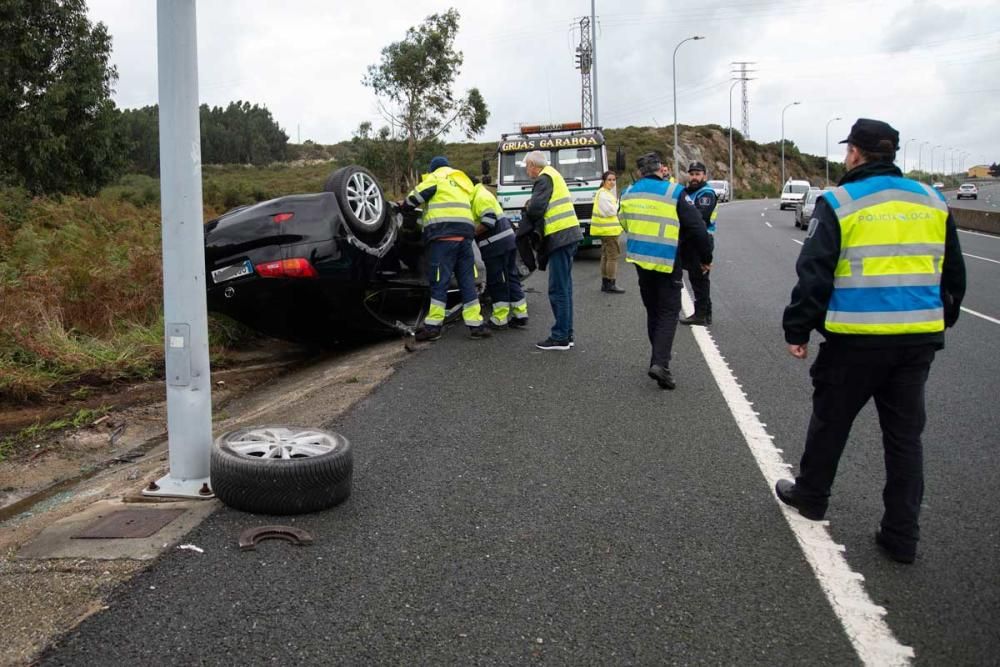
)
(650, 219)
(559, 214)
(450, 203)
(483, 203)
(888, 278)
(603, 225)
(715, 211)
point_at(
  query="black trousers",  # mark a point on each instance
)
(701, 284)
(661, 295)
(844, 379)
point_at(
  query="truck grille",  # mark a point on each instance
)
(583, 211)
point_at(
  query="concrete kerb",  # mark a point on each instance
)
(980, 221)
(70, 578)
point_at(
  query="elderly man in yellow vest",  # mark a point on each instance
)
(445, 196)
(550, 217)
(881, 276)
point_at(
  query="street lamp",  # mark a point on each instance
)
(732, 182)
(904, 155)
(783, 141)
(932, 160)
(920, 156)
(826, 156)
(696, 37)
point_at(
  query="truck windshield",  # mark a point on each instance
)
(797, 189)
(573, 163)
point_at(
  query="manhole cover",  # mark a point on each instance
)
(128, 523)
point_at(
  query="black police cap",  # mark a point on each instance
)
(873, 135)
(696, 166)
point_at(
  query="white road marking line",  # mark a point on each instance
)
(768, 224)
(985, 259)
(862, 619)
(988, 236)
(977, 314)
(798, 241)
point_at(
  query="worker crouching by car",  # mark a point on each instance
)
(495, 238)
(445, 196)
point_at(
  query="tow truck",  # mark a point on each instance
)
(578, 153)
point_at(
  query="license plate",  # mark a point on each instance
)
(232, 271)
(514, 217)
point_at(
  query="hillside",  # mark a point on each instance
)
(757, 166)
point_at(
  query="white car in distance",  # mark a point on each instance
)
(793, 193)
(721, 190)
(967, 190)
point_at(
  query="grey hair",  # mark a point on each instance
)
(536, 158)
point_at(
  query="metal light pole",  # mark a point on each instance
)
(826, 156)
(904, 154)
(696, 37)
(593, 57)
(732, 181)
(920, 156)
(932, 160)
(783, 142)
(185, 315)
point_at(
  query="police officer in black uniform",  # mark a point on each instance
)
(705, 200)
(881, 276)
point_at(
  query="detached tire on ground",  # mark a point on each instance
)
(362, 202)
(281, 469)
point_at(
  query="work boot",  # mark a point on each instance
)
(696, 319)
(426, 333)
(613, 287)
(480, 332)
(494, 326)
(518, 322)
(662, 376)
(605, 285)
(789, 494)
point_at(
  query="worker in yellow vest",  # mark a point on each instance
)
(549, 217)
(444, 195)
(604, 225)
(881, 275)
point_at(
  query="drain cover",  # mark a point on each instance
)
(128, 524)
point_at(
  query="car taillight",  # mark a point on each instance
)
(282, 217)
(298, 267)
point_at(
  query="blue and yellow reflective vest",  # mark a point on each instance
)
(486, 210)
(649, 216)
(888, 277)
(706, 191)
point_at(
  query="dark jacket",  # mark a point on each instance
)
(530, 237)
(818, 259)
(705, 203)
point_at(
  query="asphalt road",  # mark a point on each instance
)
(512, 506)
(988, 199)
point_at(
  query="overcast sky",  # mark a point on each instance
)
(928, 67)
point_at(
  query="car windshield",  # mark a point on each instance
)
(717, 185)
(796, 189)
(573, 163)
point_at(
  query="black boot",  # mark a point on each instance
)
(604, 285)
(697, 319)
(614, 288)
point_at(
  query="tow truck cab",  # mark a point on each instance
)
(576, 152)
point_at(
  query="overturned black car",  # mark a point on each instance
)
(338, 265)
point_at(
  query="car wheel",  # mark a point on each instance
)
(361, 200)
(281, 469)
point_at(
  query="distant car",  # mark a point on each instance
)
(793, 193)
(967, 190)
(938, 186)
(721, 190)
(803, 211)
(338, 265)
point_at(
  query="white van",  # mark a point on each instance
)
(793, 193)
